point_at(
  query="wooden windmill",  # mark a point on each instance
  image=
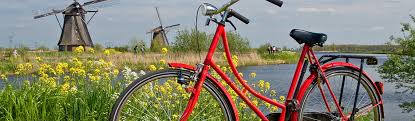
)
(74, 31)
(159, 38)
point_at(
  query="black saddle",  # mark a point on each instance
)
(310, 38)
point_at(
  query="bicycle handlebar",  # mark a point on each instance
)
(238, 16)
(276, 2)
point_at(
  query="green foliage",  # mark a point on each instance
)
(190, 40)
(400, 67)
(263, 48)
(120, 48)
(43, 48)
(136, 42)
(287, 56)
(98, 47)
(236, 43)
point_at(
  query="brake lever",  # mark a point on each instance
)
(207, 22)
(231, 24)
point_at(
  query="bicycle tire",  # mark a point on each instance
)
(208, 85)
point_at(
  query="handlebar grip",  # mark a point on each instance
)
(239, 16)
(276, 2)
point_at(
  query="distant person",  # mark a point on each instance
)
(274, 49)
(136, 49)
(15, 53)
(143, 50)
(269, 49)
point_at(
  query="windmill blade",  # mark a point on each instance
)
(92, 2)
(171, 26)
(50, 13)
(158, 15)
(165, 37)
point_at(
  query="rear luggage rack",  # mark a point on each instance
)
(370, 60)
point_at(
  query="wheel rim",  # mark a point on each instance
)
(314, 108)
(162, 98)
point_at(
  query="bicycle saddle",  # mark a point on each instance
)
(310, 38)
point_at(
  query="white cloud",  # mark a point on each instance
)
(377, 28)
(20, 26)
(271, 11)
(316, 10)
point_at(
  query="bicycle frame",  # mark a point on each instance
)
(307, 52)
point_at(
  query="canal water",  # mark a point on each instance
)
(280, 77)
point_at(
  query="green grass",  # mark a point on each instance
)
(286, 56)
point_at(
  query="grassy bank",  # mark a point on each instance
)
(139, 61)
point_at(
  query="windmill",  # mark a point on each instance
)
(159, 38)
(74, 31)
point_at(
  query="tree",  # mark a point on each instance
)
(191, 40)
(136, 42)
(400, 67)
(236, 43)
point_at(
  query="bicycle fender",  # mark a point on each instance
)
(214, 80)
(327, 66)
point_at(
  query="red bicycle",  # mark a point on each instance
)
(332, 91)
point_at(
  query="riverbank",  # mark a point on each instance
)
(138, 61)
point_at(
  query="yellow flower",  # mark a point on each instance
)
(115, 72)
(79, 49)
(255, 102)
(3, 76)
(65, 88)
(164, 50)
(224, 69)
(97, 71)
(273, 93)
(252, 75)
(261, 83)
(107, 52)
(94, 78)
(91, 50)
(152, 67)
(241, 74)
(274, 109)
(267, 85)
(161, 68)
(162, 61)
(66, 78)
(282, 98)
(243, 105)
(39, 59)
(267, 105)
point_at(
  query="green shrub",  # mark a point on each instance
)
(190, 40)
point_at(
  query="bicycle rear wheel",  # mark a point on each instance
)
(159, 96)
(314, 108)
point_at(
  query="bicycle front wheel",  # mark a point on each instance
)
(159, 96)
(343, 82)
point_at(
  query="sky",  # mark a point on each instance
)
(119, 21)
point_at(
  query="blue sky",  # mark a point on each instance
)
(345, 21)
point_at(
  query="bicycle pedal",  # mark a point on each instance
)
(273, 116)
